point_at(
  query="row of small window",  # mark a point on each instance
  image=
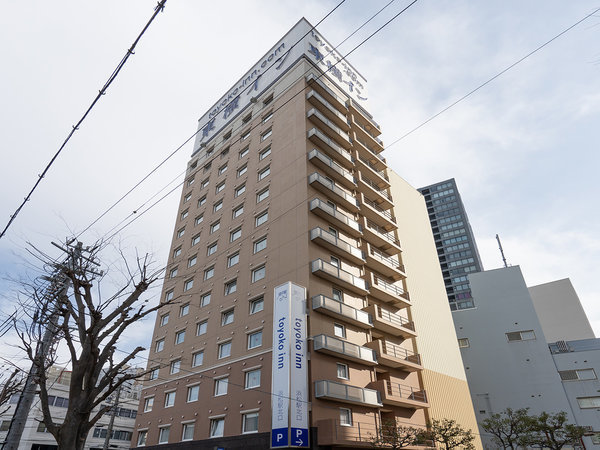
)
(446, 213)
(216, 429)
(448, 234)
(221, 387)
(443, 200)
(462, 246)
(442, 193)
(450, 219)
(119, 435)
(452, 226)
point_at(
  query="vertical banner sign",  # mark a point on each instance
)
(280, 376)
(298, 369)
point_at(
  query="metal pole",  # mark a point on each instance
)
(501, 251)
(112, 420)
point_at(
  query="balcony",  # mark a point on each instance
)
(397, 394)
(379, 193)
(391, 323)
(393, 355)
(338, 276)
(331, 190)
(369, 152)
(380, 237)
(329, 127)
(367, 136)
(334, 308)
(336, 245)
(332, 168)
(376, 214)
(328, 110)
(375, 168)
(332, 390)
(364, 115)
(339, 348)
(387, 292)
(320, 86)
(341, 155)
(385, 264)
(332, 215)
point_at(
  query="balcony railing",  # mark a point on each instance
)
(331, 167)
(351, 103)
(353, 352)
(369, 132)
(393, 355)
(398, 352)
(340, 276)
(331, 188)
(391, 288)
(375, 187)
(401, 395)
(387, 260)
(329, 145)
(391, 323)
(336, 132)
(374, 152)
(379, 209)
(394, 319)
(379, 171)
(334, 243)
(325, 210)
(345, 393)
(328, 109)
(380, 237)
(325, 90)
(336, 308)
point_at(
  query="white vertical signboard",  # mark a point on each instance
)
(280, 376)
(298, 369)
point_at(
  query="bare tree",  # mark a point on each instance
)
(511, 428)
(553, 431)
(90, 328)
(393, 436)
(9, 385)
(450, 434)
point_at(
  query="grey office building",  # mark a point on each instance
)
(456, 247)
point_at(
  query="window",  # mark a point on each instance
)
(173, 273)
(192, 393)
(204, 183)
(221, 386)
(342, 371)
(209, 273)
(159, 345)
(527, 335)
(252, 379)
(237, 212)
(148, 404)
(264, 153)
(217, 206)
(223, 169)
(337, 295)
(192, 261)
(169, 399)
(227, 317)
(266, 134)
(240, 190)
(195, 239)
(244, 152)
(142, 436)
(179, 337)
(184, 310)
(247, 118)
(464, 343)
(262, 218)
(233, 259)
(345, 417)
(216, 427)
(224, 349)
(153, 375)
(175, 366)
(164, 319)
(268, 117)
(181, 232)
(188, 432)
(262, 195)
(209, 165)
(258, 274)
(588, 402)
(201, 327)
(227, 135)
(188, 285)
(257, 305)
(245, 135)
(211, 249)
(202, 201)
(215, 227)
(184, 214)
(268, 100)
(205, 299)
(235, 234)
(255, 339)
(260, 245)
(578, 374)
(339, 330)
(250, 423)
(264, 173)
(163, 435)
(220, 187)
(335, 261)
(194, 164)
(198, 358)
(224, 153)
(169, 295)
(230, 287)
(177, 252)
(242, 170)
(187, 197)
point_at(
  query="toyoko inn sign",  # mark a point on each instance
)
(300, 40)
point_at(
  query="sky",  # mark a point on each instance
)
(523, 149)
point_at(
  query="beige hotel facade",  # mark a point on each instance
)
(287, 183)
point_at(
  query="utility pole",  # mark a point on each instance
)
(57, 292)
(112, 419)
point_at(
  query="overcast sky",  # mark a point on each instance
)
(523, 149)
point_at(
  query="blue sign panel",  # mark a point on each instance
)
(300, 437)
(279, 437)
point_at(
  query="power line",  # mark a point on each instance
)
(485, 83)
(111, 78)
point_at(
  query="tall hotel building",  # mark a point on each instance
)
(454, 240)
(287, 201)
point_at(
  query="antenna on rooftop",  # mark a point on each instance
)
(501, 250)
